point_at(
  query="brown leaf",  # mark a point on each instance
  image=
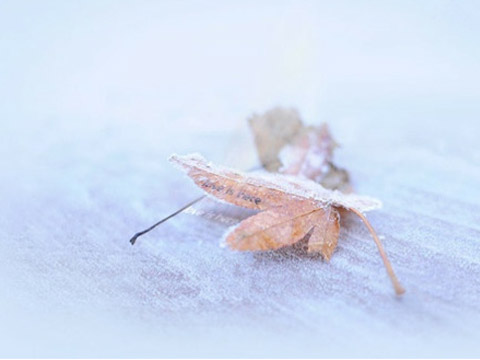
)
(229, 185)
(294, 206)
(272, 131)
(264, 191)
(275, 228)
(324, 237)
(336, 179)
(287, 146)
(309, 154)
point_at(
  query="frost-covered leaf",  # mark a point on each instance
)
(324, 237)
(272, 131)
(293, 207)
(230, 185)
(309, 154)
(275, 228)
(337, 179)
(284, 144)
(265, 190)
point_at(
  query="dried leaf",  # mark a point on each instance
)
(324, 237)
(275, 228)
(272, 131)
(309, 154)
(285, 145)
(229, 185)
(337, 179)
(293, 207)
(264, 191)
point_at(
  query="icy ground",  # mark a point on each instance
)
(94, 96)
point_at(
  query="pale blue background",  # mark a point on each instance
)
(94, 95)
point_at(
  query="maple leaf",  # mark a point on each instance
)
(286, 225)
(292, 208)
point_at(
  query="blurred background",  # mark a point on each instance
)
(95, 95)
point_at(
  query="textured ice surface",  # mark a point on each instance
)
(95, 96)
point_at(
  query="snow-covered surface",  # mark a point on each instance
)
(94, 96)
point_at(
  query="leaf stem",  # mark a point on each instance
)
(137, 235)
(399, 290)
